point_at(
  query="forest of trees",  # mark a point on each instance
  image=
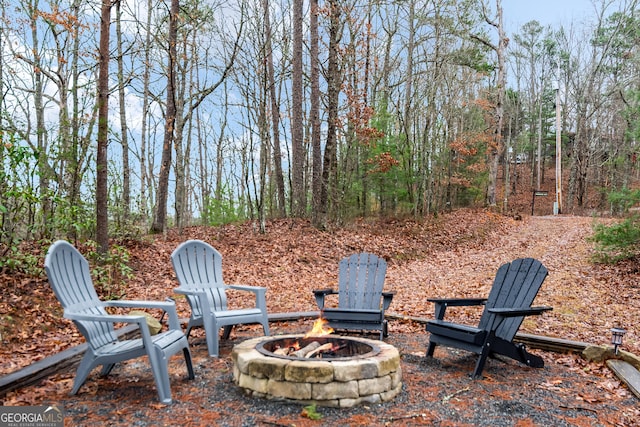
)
(184, 112)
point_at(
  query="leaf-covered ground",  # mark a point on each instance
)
(456, 254)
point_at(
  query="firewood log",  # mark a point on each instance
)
(306, 349)
(324, 347)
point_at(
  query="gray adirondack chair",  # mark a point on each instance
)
(198, 268)
(361, 301)
(514, 288)
(69, 276)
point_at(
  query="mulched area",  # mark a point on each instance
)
(436, 392)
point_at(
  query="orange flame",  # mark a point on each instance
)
(319, 329)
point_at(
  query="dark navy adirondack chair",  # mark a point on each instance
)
(198, 267)
(514, 288)
(361, 301)
(70, 278)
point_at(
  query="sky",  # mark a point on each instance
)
(547, 12)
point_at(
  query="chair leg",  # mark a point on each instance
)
(265, 327)
(85, 367)
(187, 360)
(226, 332)
(431, 348)
(159, 366)
(213, 341)
(482, 358)
(106, 369)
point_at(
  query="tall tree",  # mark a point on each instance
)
(124, 130)
(275, 113)
(314, 115)
(102, 217)
(160, 214)
(298, 198)
(496, 146)
(334, 81)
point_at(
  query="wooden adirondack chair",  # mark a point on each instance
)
(361, 302)
(198, 267)
(514, 288)
(69, 276)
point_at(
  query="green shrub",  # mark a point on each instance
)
(617, 242)
(17, 260)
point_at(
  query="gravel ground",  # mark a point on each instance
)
(436, 392)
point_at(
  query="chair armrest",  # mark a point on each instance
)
(387, 297)
(320, 294)
(189, 291)
(199, 300)
(259, 291)
(108, 318)
(458, 302)
(443, 303)
(254, 289)
(327, 291)
(140, 320)
(168, 306)
(519, 311)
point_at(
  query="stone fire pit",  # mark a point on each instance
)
(374, 375)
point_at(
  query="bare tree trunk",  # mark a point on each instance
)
(275, 114)
(298, 198)
(219, 148)
(334, 81)
(102, 225)
(41, 131)
(180, 146)
(496, 147)
(126, 192)
(160, 217)
(145, 182)
(314, 115)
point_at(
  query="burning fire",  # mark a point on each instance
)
(319, 329)
(313, 349)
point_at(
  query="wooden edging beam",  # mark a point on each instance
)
(627, 374)
(59, 362)
(69, 359)
(557, 345)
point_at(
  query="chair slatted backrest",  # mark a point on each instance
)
(360, 281)
(516, 285)
(199, 266)
(70, 277)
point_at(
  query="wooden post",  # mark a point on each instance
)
(558, 152)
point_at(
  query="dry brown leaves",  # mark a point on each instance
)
(456, 254)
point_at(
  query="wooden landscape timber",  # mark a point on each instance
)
(68, 359)
(627, 374)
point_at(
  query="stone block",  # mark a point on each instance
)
(388, 360)
(270, 367)
(252, 383)
(243, 356)
(348, 403)
(354, 370)
(289, 390)
(374, 385)
(389, 395)
(309, 371)
(334, 390)
(396, 377)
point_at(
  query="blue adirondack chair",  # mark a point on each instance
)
(198, 268)
(514, 288)
(361, 301)
(69, 276)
